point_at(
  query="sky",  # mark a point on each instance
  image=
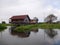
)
(34, 8)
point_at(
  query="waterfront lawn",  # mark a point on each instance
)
(2, 27)
(33, 26)
(48, 26)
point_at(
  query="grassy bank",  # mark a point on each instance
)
(25, 28)
(8, 24)
(2, 27)
(33, 26)
(48, 26)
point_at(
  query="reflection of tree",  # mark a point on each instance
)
(51, 33)
(20, 34)
(35, 30)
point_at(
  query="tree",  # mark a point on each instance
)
(3, 22)
(50, 18)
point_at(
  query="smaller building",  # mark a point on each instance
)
(32, 21)
(21, 19)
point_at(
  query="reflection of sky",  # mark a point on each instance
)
(35, 8)
(57, 43)
(57, 38)
(39, 38)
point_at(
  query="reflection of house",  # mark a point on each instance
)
(20, 19)
(23, 34)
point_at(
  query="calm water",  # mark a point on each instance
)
(34, 37)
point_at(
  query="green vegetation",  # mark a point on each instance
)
(2, 27)
(7, 24)
(48, 26)
(33, 26)
(25, 28)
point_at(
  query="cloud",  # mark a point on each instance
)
(34, 8)
(8, 3)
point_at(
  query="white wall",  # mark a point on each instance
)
(26, 20)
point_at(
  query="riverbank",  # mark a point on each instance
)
(36, 26)
(48, 26)
(2, 27)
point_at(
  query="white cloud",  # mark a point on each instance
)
(35, 8)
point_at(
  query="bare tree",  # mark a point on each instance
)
(50, 18)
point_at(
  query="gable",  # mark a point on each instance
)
(26, 19)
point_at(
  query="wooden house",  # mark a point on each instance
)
(21, 19)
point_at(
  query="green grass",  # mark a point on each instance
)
(8, 24)
(25, 28)
(33, 26)
(47, 26)
(2, 27)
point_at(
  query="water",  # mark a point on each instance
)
(34, 37)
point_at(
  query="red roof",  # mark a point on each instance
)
(20, 17)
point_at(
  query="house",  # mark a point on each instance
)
(21, 19)
(32, 21)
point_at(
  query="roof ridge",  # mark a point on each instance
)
(21, 15)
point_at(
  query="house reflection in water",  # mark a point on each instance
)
(34, 30)
(24, 34)
(20, 34)
(51, 33)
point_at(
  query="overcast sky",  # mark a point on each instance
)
(34, 8)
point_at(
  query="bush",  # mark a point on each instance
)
(2, 27)
(3, 22)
